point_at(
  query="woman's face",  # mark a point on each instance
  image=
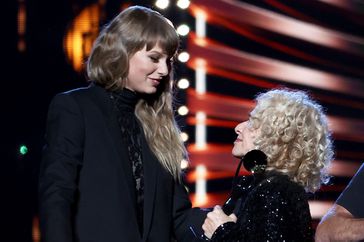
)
(245, 140)
(147, 69)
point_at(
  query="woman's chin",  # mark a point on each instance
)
(237, 154)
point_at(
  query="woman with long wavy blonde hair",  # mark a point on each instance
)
(111, 164)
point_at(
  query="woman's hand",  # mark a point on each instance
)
(214, 219)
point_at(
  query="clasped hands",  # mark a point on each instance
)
(214, 219)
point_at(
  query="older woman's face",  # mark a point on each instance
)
(245, 140)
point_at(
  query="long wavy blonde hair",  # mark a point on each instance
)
(108, 65)
(295, 136)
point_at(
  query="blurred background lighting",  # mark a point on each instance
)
(200, 130)
(183, 57)
(183, 83)
(183, 4)
(23, 149)
(184, 164)
(183, 29)
(200, 24)
(81, 33)
(183, 110)
(201, 196)
(184, 136)
(162, 4)
(22, 16)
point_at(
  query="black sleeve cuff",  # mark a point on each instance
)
(223, 232)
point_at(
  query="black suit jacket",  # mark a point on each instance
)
(86, 188)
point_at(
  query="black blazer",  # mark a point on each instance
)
(86, 187)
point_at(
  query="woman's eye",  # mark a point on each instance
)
(154, 59)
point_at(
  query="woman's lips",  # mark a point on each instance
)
(155, 82)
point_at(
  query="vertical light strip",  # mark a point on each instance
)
(21, 25)
(201, 116)
(35, 229)
(200, 84)
(200, 24)
(200, 197)
(200, 79)
(200, 130)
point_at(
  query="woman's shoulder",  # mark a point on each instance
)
(80, 94)
(82, 91)
(275, 205)
(81, 98)
(281, 185)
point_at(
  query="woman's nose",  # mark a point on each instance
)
(163, 69)
(238, 128)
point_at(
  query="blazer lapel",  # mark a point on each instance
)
(150, 164)
(107, 108)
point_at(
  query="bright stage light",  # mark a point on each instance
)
(184, 136)
(162, 4)
(183, 110)
(183, 83)
(184, 164)
(23, 149)
(183, 4)
(183, 57)
(183, 29)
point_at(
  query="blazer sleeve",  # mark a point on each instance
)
(61, 161)
(187, 220)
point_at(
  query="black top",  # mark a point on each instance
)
(275, 210)
(125, 102)
(353, 195)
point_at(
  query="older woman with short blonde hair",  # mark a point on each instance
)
(291, 129)
(294, 135)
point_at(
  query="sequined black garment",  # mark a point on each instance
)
(276, 210)
(125, 102)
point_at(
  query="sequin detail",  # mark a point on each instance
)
(275, 210)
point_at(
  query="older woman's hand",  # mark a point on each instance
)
(214, 219)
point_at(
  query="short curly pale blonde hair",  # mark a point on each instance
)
(294, 135)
